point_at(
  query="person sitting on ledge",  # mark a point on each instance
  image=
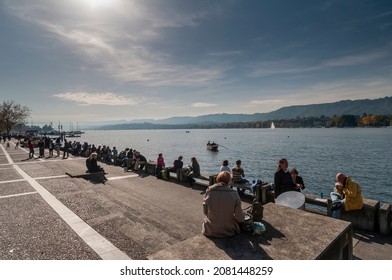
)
(177, 164)
(222, 207)
(297, 180)
(239, 176)
(194, 171)
(140, 161)
(347, 195)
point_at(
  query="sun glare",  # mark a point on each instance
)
(96, 4)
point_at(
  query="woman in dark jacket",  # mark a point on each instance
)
(94, 167)
(194, 171)
(282, 179)
(297, 180)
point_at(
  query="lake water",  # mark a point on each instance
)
(364, 154)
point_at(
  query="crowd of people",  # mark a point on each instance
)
(222, 204)
(130, 159)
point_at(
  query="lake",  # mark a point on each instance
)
(364, 154)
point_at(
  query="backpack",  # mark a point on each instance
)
(256, 210)
(247, 225)
(164, 174)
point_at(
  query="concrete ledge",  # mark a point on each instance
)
(150, 167)
(291, 234)
(383, 219)
(366, 218)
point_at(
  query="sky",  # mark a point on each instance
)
(80, 61)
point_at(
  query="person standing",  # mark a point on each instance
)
(66, 149)
(282, 178)
(31, 148)
(160, 166)
(347, 195)
(50, 148)
(222, 207)
(41, 147)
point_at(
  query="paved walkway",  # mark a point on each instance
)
(44, 214)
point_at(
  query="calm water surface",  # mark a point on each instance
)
(364, 154)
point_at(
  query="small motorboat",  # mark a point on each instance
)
(212, 146)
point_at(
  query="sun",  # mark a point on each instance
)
(96, 4)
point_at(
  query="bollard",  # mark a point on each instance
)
(383, 219)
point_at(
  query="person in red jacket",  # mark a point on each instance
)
(31, 148)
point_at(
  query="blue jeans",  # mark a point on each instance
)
(335, 197)
(241, 181)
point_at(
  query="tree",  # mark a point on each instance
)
(12, 114)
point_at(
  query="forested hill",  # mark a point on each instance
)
(381, 106)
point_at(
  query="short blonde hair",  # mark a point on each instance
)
(224, 177)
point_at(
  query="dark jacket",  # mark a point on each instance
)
(94, 166)
(283, 182)
(299, 180)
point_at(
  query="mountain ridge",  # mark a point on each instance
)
(380, 106)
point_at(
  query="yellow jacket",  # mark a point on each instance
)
(353, 195)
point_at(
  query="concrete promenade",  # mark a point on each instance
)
(45, 214)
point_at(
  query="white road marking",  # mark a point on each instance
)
(123, 177)
(51, 177)
(19, 194)
(12, 181)
(104, 248)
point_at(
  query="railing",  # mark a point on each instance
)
(372, 216)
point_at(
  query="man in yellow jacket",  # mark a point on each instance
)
(347, 195)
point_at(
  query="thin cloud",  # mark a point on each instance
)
(203, 105)
(122, 46)
(298, 66)
(356, 59)
(333, 91)
(86, 99)
(266, 102)
(225, 53)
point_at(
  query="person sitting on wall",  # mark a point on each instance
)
(347, 195)
(194, 171)
(140, 161)
(297, 180)
(225, 166)
(239, 176)
(222, 207)
(177, 164)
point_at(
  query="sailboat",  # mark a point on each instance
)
(74, 133)
(272, 125)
